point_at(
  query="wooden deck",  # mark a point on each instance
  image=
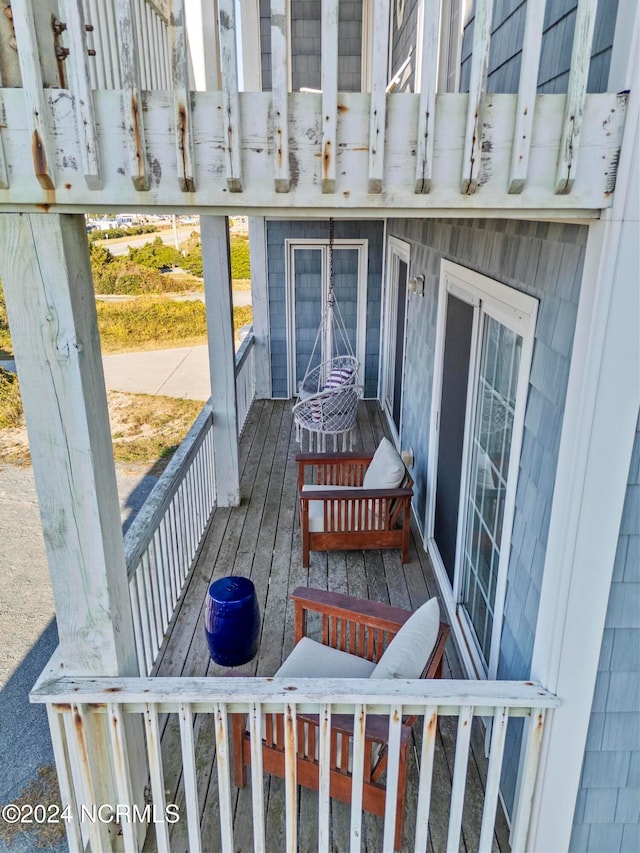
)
(260, 539)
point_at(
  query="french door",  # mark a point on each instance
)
(308, 289)
(395, 313)
(484, 349)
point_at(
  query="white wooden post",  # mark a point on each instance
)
(214, 231)
(260, 305)
(45, 270)
(329, 65)
(251, 49)
(477, 90)
(33, 88)
(83, 96)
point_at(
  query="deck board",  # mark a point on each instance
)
(260, 539)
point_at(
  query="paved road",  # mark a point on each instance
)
(121, 247)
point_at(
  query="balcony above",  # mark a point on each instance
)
(133, 133)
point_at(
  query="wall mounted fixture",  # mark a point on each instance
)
(416, 285)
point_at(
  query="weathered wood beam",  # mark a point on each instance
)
(329, 65)
(230, 97)
(427, 102)
(80, 84)
(378, 107)
(527, 90)
(182, 98)
(46, 274)
(576, 94)
(280, 93)
(214, 231)
(477, 90)
(132, 105)
(4, 175)
(42, 151)
(260, 305)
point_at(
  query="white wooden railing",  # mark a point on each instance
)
(245, 379)
(125, 129)
(199, 724)
(164, 538)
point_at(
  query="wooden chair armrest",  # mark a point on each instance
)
(314, 458)
(336, 604)
(434, 664)
(376, 729)
(349, 494)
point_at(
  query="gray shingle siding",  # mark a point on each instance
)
(608, 810)
(277, 232)
(544, 260)
(559, 25)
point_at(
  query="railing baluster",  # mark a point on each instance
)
(132, 104)
(95, 18)
(144, 621)
(122, 771)
(324, 779)
(65, 779)
(257, 790)
(357, 777)
(377, 116)
(291, 776)
(393, 763)
(329, 64)
(427, 102)
(429, 731)
(280, 92)
(190, 776)
(527, 778)
(224, 773)
(137, 625)
(458, 785)
(492, 788)
(477, 88)
(230, 96)
(110, 46)
(156, 775)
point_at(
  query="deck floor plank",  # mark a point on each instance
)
(261, 539)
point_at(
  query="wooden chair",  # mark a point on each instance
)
(363, 628)
(351, 517)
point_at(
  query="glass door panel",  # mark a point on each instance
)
(308, 289)
(490, 454)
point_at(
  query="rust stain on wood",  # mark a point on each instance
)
(187, 184)
(61, 706)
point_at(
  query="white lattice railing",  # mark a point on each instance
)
(165, 536)
(198, 723)
(245, 379)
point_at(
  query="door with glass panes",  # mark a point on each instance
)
(485, 342)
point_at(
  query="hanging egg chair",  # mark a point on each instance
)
(328, 395)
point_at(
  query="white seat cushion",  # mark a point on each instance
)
(407, 654)
(316, 508)
(386, 470)
(310, 659)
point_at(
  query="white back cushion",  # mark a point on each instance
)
(386, 469)
(407, 654)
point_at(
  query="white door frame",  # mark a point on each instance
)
(396, 250)
(518, 311)
(322, 244)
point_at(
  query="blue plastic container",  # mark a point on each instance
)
(232, 621)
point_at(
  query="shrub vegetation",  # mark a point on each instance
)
(10, 400)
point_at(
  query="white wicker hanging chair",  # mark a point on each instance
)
(328, 395)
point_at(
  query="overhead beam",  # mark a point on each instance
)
(477, 89)
(34, 93)
(576, 94)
